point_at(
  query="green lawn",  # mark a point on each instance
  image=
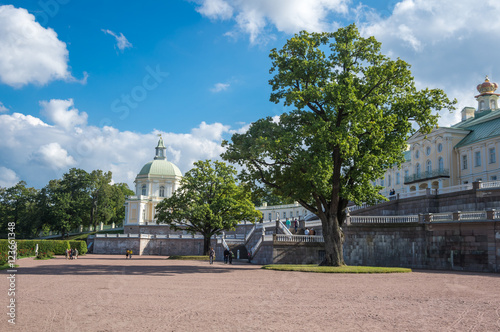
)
(192, 258)
(335, 269)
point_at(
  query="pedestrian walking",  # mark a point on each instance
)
(212, 255)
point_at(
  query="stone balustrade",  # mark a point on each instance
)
(299, 238)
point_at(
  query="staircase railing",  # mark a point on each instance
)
(284, 228)
(224, 244)
(249, 235)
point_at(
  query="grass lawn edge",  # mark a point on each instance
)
(190, 258)
(335, 269)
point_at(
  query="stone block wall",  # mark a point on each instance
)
(298, 252)
(458, 245)
(397, 245)
(265, 254)
(161, 247)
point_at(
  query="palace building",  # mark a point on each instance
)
(461, 154)
(157, 180)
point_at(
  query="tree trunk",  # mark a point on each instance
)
(206, 244)
(334, 253)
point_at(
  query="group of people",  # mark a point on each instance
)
(72, 253)
(228, 256)
(128, 254)
(288, 224)
(308, 231)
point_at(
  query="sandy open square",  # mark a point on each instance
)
(110, 293)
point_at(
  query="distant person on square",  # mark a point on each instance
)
(126, 254)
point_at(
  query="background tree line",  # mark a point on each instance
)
(78, 198)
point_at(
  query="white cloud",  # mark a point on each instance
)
(289, 16)
(3, 108)
(38, 152)
(218, 87)
(29, 53)
(121, 42)
(62, 113)
(54, 156)
(8, 177)
(449, 44)
(212, 132)
(215, 9)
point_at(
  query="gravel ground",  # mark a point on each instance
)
(110, 293)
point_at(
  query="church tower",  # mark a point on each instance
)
(487, 99)
(161, 150)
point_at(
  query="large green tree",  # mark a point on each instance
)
(208, 202)
(19, 204)
(352, 110)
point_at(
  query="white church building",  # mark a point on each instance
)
(157, 180)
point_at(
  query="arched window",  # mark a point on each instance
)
(162, 191)
(441, 164)
(144, 190)
(481, 105)
(492, 104)
(428, 167)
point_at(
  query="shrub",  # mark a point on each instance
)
(81, 246)
(3, 259)
(45, 255)
(28, 246)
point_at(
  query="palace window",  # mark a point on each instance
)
(493, 155)
(428, 166)
(144, 191)
(477, 158)
(417, 154)
(270, 216)
(441, 164)
(162, 191)
(428, 150)
(417, 169)
(493, 178)
(440, 147)
(464, 161)
(389, 180)
(397, 178)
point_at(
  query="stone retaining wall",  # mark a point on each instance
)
(162, 247)
(458, 245)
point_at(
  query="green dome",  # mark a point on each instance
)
(160, 167)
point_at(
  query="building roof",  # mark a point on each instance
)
(487, 126)
(160, 167)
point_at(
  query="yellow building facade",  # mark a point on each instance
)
(452, 156)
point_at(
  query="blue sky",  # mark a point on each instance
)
(90, 84)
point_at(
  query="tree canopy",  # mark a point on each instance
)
(207, 202)
(352, 110)
(78, 198)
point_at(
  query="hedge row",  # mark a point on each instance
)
(58, 247)
(80, 245)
